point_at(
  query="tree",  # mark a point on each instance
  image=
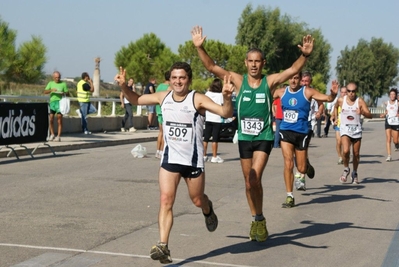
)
(28, 63)
(278, 36)
(147, 57)
(318, 83)
(7, 48)
(372, 65)
(230, 57)
(319, 62)
(24, 65)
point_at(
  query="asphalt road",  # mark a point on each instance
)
(98, 207)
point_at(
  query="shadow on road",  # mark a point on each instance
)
(290, 237)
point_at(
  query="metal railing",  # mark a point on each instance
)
(114, 101)
(4, 98)
(377, 110)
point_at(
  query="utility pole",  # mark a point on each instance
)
(96, 77)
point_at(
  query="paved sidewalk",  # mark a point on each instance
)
(78, 141)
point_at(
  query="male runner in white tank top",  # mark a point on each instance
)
(352, 107)
(183, 114)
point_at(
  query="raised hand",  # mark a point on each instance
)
(196, 34)
(120, 78)
(228, 87)
(334, 87)
(307, 45)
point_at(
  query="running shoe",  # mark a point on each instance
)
(344, 175)
(289, 202)
(205, 158)
(211, 220)
(51, 138)
(252, 232)
(161, 252)
(300, 184)
(132, 130)
(261, 231)
(388, 158)
(355, 180)
(217, 160)
(310, 172)
(57, 139)
(396, 147)
(340, 161)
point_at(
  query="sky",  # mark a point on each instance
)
(76, 32)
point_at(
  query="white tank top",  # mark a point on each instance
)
(183, 127)
(350, 120)
(392, 112)
(218, 99)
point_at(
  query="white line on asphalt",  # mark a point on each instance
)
(119, 254)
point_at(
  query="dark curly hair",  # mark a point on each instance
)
(216, 86)
(183, 66)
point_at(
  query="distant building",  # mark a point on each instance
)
(68, 79)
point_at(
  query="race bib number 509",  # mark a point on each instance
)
(179, 132)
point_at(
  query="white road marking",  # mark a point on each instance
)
(118, 254)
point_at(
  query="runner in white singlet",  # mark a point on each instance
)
(183, 113)
(391, 122)
(352, 107)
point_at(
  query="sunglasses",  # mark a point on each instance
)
(351, 91)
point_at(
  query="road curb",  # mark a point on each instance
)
(43, 149)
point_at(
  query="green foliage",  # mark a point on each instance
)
(201, 85)
(278, 36)
(24, 65)
(236, 59)
(216, 49)
(147, 57)
(106, 109)
(319, 61)
(318, 83)
(29, 62)
(230, 57)
(372, 65)
(7, 48)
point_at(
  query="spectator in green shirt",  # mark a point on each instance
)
(56, 89)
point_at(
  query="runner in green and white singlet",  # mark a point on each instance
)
(254, 112)
(255, 135)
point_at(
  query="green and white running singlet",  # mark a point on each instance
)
(254, 112)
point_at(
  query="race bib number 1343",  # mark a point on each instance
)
(252, 126)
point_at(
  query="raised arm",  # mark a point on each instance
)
(208, 62)
(278, 92)
(322, 97)
(364, 110)
(274, 109)
(225, 110)
(335, 112)
(121, 98)
(133, 97)
(306, 49)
